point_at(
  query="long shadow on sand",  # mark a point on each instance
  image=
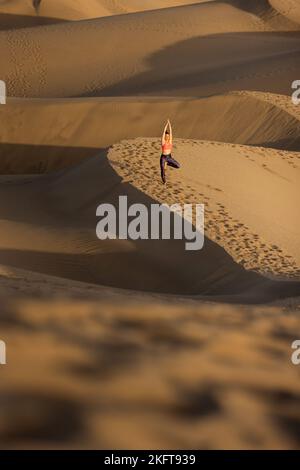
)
(11, 21)
(217, 63)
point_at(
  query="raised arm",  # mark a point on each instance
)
(171, 132)
(163, 136)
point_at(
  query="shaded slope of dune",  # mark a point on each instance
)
(14, 21)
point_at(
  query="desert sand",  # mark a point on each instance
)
(28, 13)
(141, 344)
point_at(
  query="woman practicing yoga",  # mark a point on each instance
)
(166, 156)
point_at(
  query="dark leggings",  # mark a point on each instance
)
(170, 161)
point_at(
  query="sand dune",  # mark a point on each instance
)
(91, 324)
(79, 9)
(18, 14)
(28, 13)
(181, 51)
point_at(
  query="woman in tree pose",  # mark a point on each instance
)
(166, 154)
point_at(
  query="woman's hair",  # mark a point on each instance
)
(167, 132)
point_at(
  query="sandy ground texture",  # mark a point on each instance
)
(142, 344)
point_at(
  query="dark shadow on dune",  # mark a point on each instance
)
(65, 203)
(257, 7)
(263, 9)
(11, 21)
(254, 6)
(138, 270)
(190, 67)
(17, 159)
(290, 144)
(221, 279)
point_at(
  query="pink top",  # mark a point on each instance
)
(166, 146)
